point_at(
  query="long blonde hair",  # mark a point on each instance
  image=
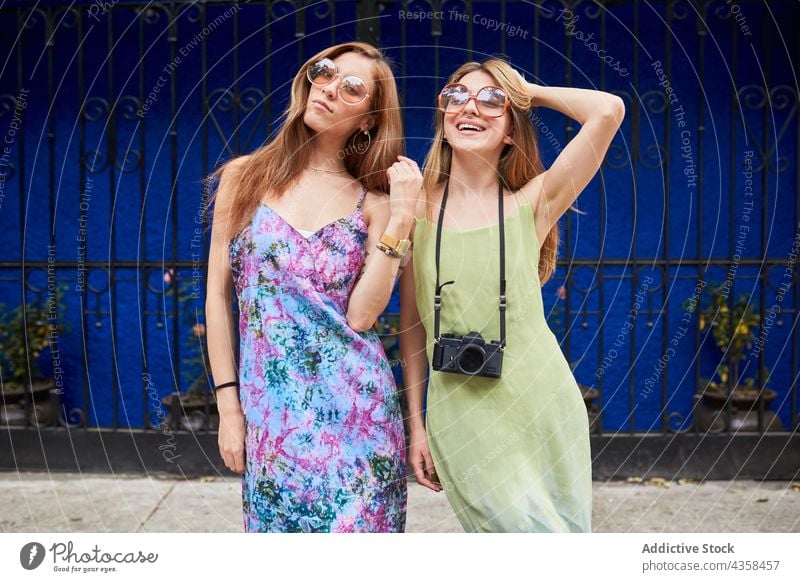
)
(519, 163)
(275, 166)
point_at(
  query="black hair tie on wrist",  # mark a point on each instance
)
(226, 384)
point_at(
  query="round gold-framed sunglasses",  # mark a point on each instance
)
(352, 89)
(491, 100)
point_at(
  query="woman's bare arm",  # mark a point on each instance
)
(219, 315)
(600, 114)
(379, 272)
(412, 349)
(414, 359)
(394, 215)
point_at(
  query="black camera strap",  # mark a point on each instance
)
(437, 297)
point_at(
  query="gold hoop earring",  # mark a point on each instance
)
(359, 147)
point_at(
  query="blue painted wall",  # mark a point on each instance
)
(735, 92)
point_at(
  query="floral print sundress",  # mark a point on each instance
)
(325, 444)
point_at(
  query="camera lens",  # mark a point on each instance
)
(471, 359)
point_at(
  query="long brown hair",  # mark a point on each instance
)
(519, 163)
(276, 165)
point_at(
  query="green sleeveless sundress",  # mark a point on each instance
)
(512, 453)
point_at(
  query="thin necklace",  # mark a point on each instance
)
(328, 171)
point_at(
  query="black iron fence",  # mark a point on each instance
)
(679, 282)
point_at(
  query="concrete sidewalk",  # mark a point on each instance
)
(57, 502)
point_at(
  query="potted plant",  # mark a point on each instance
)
(24, 335)
(733, 330)
(196, 407)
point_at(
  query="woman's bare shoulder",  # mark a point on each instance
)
(227, 180)
(238, 162)
(375, 204)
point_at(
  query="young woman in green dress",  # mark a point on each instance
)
(511, 452)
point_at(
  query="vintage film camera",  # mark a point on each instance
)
(470, 354)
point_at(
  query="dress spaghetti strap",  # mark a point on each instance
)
(361, 198)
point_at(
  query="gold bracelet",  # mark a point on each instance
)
(400, 246)
(389, 251)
